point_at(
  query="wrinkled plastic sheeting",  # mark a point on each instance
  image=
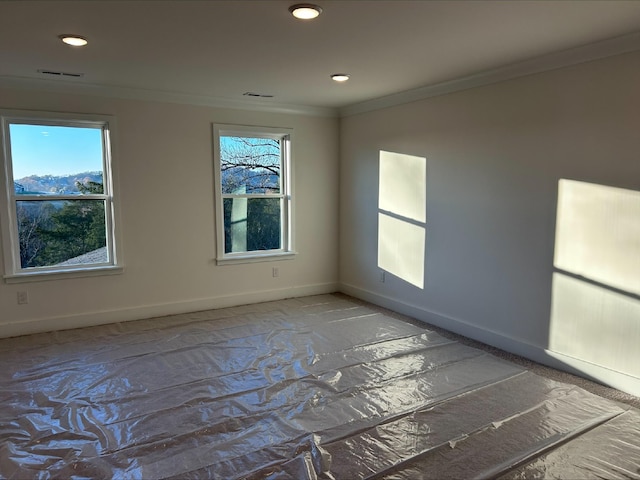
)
(484, 434)
(610, 451)
(318, 387)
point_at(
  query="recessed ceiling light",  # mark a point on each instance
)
(73, 40)
(340, 77)
(305, 11)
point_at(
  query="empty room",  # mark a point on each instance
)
(349, 239)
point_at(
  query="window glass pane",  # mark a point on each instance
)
(62, 232)
(49, 159)
(252, 224)
(249, 165)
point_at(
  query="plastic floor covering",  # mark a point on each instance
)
(316, 387)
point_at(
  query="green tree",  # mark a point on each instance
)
(262, 224)
(75, 229)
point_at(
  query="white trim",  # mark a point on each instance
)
(8, 226)
(537, 353)
(585, 53)
(86, 271)
(252, 257)
(88, 319)
(564, 58)
(75, 87)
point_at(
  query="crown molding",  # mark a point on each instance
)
(77, 87)
(593, 51)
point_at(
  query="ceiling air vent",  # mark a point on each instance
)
(61, 74)
(253, 94)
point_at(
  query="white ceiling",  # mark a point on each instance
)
(216, 50)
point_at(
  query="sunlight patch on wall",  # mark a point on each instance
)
(595, 311)
(402, 216)
(594, 324)
(598, 234)
(401, 249)
(402, 185)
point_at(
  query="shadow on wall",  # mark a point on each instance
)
(402, 212)
(595, 309)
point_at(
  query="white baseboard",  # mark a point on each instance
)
(90, 319)
(597, 373)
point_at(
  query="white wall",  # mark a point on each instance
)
(164, 158)
(494, 158)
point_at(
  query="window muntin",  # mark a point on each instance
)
(253, 192)
(58, 203)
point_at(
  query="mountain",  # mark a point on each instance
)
(65, 184)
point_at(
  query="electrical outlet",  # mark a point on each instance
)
(23, 298)
(275, 272)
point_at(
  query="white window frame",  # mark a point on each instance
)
(285, 137)
(13, 271)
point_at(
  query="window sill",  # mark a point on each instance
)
(63, 274)
(254, 258)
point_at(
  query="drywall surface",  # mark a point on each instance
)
(506, 261)
(164, 159)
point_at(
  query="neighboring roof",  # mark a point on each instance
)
(100, 255)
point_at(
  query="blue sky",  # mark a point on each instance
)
(54, 150)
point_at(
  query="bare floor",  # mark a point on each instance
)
(315, 387)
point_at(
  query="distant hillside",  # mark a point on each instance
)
(65, 184)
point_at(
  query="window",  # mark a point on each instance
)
(57, 205)
(253, 193)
